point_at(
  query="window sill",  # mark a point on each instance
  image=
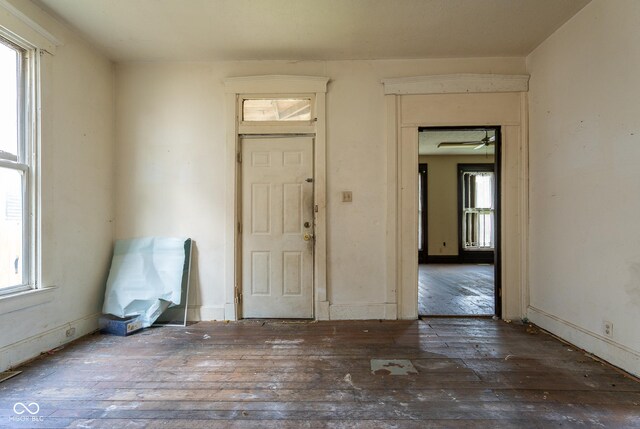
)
(22, 300)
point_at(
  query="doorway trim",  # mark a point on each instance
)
(456, 100)
(423, 177)
(496, 168)
(273, 85)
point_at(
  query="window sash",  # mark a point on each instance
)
(474, 227)
(22, 161)
(474, 219)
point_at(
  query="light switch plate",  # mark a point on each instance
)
(347, 196)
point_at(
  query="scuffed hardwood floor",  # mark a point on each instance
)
(473, 373)
(456, 290)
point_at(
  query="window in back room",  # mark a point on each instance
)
(477, 207)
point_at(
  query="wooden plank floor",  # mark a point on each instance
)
(456, 290)
(473, 373)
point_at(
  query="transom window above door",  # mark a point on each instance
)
(276, 109)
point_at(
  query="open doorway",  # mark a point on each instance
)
(459, 215)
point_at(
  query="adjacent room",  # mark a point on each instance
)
(319, 213)
(457, 195)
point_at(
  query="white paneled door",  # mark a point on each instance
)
(277, 227)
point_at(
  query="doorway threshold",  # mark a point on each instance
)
(457, 316)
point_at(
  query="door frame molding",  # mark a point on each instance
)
(423, 168)
(456, 100)
(274, 85)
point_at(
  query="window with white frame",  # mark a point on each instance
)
(478, 209)
(16, 170)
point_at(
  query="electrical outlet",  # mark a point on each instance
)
(347, 196)
(71, 332)
(607, 329)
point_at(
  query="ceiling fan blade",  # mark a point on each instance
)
(487, 141)
(484, 145)
(468, 143)
(452, 145)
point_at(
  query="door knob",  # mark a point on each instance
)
(307, 237)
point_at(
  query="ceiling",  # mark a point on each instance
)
(429, 140)
(157, 30)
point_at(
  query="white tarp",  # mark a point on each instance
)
(145, 277)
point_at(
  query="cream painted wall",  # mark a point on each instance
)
(442, 199)
(77, 198)
(584, 183)
(170, 144)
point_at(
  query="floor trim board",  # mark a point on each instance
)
(604, 348)
(19, 352)
(206, 313)
(362, 311)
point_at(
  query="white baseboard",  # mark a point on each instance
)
(211, 313)
(230, 312)
(391, 311)
(22, 351)
(598, 345)
(362, 311)
(322, 310)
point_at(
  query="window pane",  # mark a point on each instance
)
(11, 246)
(277, 109)
(484, 190)
(9, 60)
(485, 230)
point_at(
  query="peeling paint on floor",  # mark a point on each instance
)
(392, 367)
